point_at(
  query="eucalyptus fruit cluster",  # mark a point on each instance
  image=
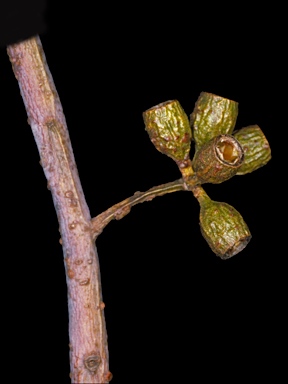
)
(220, 153)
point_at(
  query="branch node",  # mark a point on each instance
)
(108, 376)
(92, 363)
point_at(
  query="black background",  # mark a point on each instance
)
(174, 310)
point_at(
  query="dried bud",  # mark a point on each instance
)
(223, 227)
(168, 127)
(212, 116)
(256, 148)
(218, 160)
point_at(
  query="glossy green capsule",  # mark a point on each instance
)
(218, 160)
(169, 130)
(256, 148)
(223, 227)
(212, 116)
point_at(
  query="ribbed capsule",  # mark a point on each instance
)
(169, 130)
(212, 116)
(218, 159)
(256, 148)
(223, 227)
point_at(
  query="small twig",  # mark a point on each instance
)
(87, 331)
(119, 210)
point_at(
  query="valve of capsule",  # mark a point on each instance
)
(256, 148)
(218, 160)
(223, 227)
(212, 116)
(169, 130)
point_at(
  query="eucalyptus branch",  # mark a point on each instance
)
(87, 331)
(219, 155)
(119, 210)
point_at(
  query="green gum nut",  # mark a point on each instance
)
(169, 130)
(218, 160)
(212, 116)
(223, 227)
(256, 148)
